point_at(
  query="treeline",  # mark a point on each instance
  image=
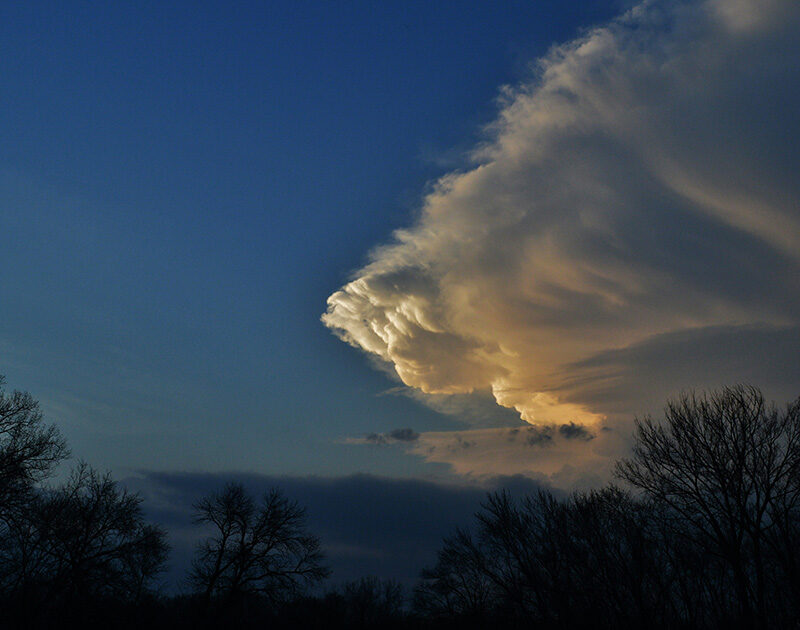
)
(704, 534)
(709, 537)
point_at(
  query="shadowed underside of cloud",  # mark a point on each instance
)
(635, 201)
(568, 456)
(368, 525)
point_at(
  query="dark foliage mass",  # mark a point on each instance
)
(703, 531)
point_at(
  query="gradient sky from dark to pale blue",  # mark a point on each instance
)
(183, 184)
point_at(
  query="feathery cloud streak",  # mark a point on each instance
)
(643, 184)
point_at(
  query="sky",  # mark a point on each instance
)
(350, 246)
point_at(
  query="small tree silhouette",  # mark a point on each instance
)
(255, 549)
(95, 543)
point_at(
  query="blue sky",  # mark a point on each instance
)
(183, 185)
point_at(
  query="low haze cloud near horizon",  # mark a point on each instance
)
(628, 229)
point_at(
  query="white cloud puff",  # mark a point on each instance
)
(643, 184)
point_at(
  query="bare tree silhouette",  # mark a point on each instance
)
(458, 585)
(29, 449)
(94, 541)
(728, 465)
(260, 549)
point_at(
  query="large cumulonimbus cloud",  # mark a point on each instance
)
(642, 187)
